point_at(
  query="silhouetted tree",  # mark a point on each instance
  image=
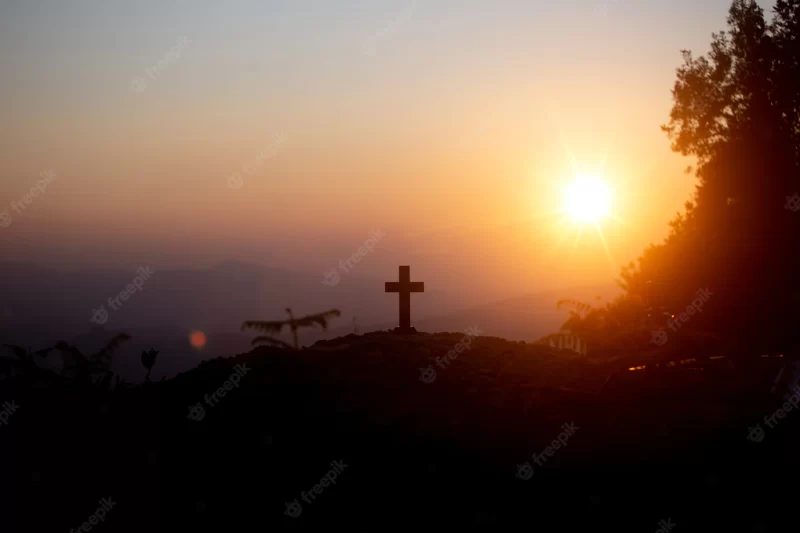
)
(275, 327)
(82, 368)
(148, 360)
(620, 324)
(737, 113)
(25, 357)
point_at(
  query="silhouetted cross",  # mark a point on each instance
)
(405, 287)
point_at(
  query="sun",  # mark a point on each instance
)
(587, 199)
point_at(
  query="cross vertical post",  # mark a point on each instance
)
(405, 287)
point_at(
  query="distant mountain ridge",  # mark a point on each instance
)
(523, 318)
(41, 305)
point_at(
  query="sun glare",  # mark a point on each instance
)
(587, 199)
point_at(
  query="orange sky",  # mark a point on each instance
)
(454, 138)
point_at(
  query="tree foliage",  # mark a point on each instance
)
(148, 360)
(275, 327)
(736, 112)
(97, 366)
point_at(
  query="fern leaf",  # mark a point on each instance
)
(274, 326)
(271, 341)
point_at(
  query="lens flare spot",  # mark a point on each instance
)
(197, 339)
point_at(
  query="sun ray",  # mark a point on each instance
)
(605, 244)
(577, 240)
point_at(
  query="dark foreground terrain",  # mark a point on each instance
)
(664, 447)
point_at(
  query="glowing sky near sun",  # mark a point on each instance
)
(452, 126)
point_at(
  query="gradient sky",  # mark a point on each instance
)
(450, 125)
